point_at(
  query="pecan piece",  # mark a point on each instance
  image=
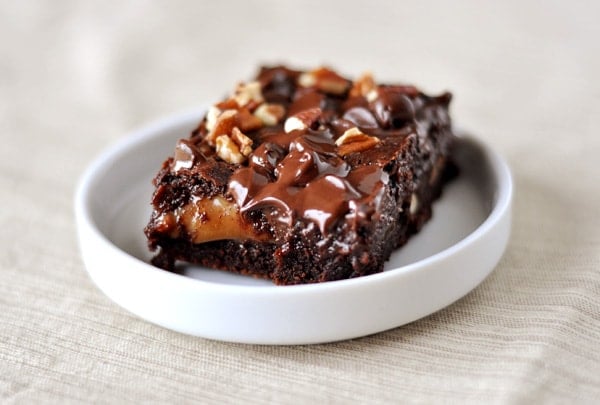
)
(353, 140)
(303, 120)
(270, 114)
(223, 124)
(228, 150)
(245, 93)
(364, 86)
(325, 80)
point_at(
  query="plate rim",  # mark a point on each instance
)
(86, 224)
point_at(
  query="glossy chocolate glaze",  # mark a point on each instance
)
(301, 175)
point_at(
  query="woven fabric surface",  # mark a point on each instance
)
(77, 76)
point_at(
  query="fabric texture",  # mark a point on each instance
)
(78, 76)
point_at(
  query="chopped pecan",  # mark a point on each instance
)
(270, 114)
(211, 117)
(246, 121)
(325, 80)
(303, 120)
(228, 150)
(364, 86)
(246, 93)
(243, 142)
(223, 125)
(353, 140)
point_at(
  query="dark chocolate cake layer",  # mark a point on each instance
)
(302, 177)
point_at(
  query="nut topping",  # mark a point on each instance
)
(353, 140)
(246, 121)
(234, 148)
(229, 104)
(243, 142)
(372, 95)
(364, 86)
(302, 121)
(223, 125)
(294, 124)
(228, 150)
(307, 79)
(270, 114)
(325, 80)
(247, 92)
(211, 117)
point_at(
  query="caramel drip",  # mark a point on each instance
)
(207, 220)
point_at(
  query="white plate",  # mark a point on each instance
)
(453, 253)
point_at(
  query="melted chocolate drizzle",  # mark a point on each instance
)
(300, 175)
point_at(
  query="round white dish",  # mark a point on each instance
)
(453, 253)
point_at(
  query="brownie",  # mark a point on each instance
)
(302, 177)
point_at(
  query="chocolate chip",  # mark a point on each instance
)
(392, 109)
(361, 117)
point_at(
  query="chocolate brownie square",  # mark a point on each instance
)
(302, 177)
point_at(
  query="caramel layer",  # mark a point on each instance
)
(208, 220)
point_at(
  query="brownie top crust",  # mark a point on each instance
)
(301, 146)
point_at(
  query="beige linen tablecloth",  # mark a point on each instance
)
(77, 76)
